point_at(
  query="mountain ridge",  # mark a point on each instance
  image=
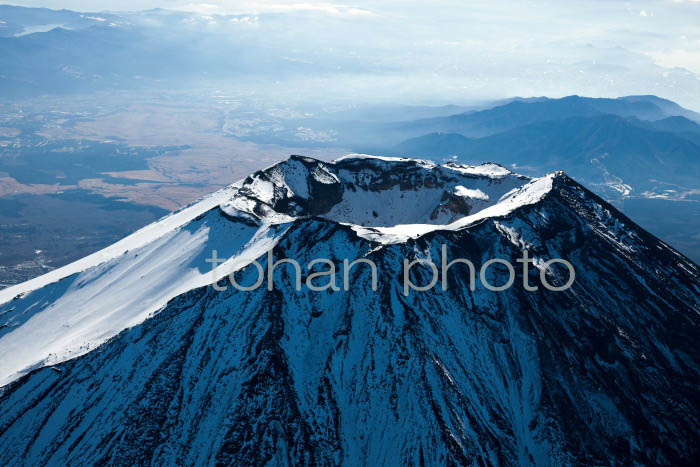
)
(518, 113)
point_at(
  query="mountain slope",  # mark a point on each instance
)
(71, 310)
(605, 372)
(682, 126)
(667, 106)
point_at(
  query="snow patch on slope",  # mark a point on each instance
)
(528, 194)
(469, 193)
(136, 240)
(114, 295)
(488, 169)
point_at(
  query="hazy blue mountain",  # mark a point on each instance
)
(681, 126)
(159, 48)
(507, 115)
(436, 145)
(97, 57)
(670, 107)
(589, 148)
(18, 21)
(523, 112)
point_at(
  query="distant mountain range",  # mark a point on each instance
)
(524, 112)
(517, 112)
(97, 55)
(604, 151)
(20, 21)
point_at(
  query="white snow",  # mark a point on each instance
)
(488, 169)
(324, 176)
(137, 239)
(390, 203)
(387, 207)
(107, 298)
(528, 194)
(261, 189)
(469, 193)
(295, 176)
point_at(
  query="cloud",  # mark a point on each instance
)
(229, 7)
(678, 58)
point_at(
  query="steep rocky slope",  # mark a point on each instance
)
(605, 372)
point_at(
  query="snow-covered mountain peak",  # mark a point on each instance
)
(381, 200)
(287, 375)
(385, 200)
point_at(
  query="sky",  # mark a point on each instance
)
(489, 48)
